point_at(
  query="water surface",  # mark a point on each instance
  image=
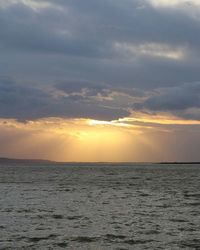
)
(100, 207)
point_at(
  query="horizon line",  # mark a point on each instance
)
(96, 162)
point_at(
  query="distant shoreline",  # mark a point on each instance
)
(4, 160)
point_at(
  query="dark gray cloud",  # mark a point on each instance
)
(89, 28)
(177, 100)
(29, 102)
(89, 49)
(84, 88)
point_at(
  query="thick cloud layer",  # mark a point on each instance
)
(99, 59)
(179, 100)
(29, 102)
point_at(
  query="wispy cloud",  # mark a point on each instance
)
(33, 4)
(150, 49)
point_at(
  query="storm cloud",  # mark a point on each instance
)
(175, 99)
(90, 59)
(29, 102)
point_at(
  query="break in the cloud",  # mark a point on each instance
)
(90, 140)
(103, 60)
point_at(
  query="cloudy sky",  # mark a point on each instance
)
(100, 80)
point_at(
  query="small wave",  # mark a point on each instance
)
(194, 244)
(136, 242)
(178, 220)
(152, 232)
(75, 217)
(85, 239)
(37, 239)
(57, 216)
(113, 237)
(193, 204)
(62, 244)
(192, 195)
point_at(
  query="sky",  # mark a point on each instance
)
(109, 80)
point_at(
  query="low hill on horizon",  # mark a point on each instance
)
(5, 160)
(16, 161)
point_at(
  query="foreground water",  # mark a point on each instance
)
(100, 207)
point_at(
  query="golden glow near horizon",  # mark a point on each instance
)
(90, 140)
(115, 123)
(161, 119)
(75, 139)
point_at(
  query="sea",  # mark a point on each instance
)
(100, 206)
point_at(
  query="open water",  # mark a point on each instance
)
(100, 207)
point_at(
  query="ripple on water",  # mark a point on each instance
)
(132, 207)
(84, 239)
(191, 244)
